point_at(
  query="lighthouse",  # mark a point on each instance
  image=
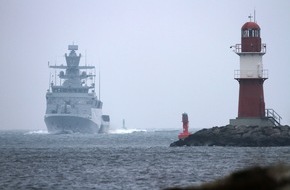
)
(251, 77)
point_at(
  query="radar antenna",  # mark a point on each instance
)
(250, 17)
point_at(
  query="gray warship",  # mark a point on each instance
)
(71, 102)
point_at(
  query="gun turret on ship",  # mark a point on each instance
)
(71, 102)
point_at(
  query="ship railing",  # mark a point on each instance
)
(66, 67)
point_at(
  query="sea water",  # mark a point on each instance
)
(123, 159)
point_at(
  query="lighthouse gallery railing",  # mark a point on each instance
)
(238, 49)
(262, 74)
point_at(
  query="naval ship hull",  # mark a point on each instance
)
(70, 124)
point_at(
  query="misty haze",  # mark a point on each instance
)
(153, 60)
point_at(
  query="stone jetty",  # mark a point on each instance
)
(239, 136)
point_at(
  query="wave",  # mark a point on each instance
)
(126, 131)
(37, 132)
(166, 130)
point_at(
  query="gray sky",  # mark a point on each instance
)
(158, 58)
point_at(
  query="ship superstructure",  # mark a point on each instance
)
(72, 104)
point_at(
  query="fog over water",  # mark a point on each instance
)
(158, 59)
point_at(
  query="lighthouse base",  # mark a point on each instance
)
(183, 135)
(252, 122)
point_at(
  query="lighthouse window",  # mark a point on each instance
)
(251, 33)
(257, 33)
(248, 33)
(245, 33)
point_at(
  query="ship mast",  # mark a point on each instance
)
(99, 83)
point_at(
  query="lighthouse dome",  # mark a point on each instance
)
(250, 25)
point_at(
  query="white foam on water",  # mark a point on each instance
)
(37, 132)
(125, 131)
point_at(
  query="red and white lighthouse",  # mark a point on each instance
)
(251, 77)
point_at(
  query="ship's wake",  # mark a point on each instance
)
(126, 131)
(112, 131)
(37, 132)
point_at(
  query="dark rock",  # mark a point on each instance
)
(250, 136)
(258, 178)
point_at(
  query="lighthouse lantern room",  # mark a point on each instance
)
(251, 77)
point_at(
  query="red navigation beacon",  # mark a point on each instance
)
(185, 132)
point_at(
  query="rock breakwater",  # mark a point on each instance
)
(240, 136)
